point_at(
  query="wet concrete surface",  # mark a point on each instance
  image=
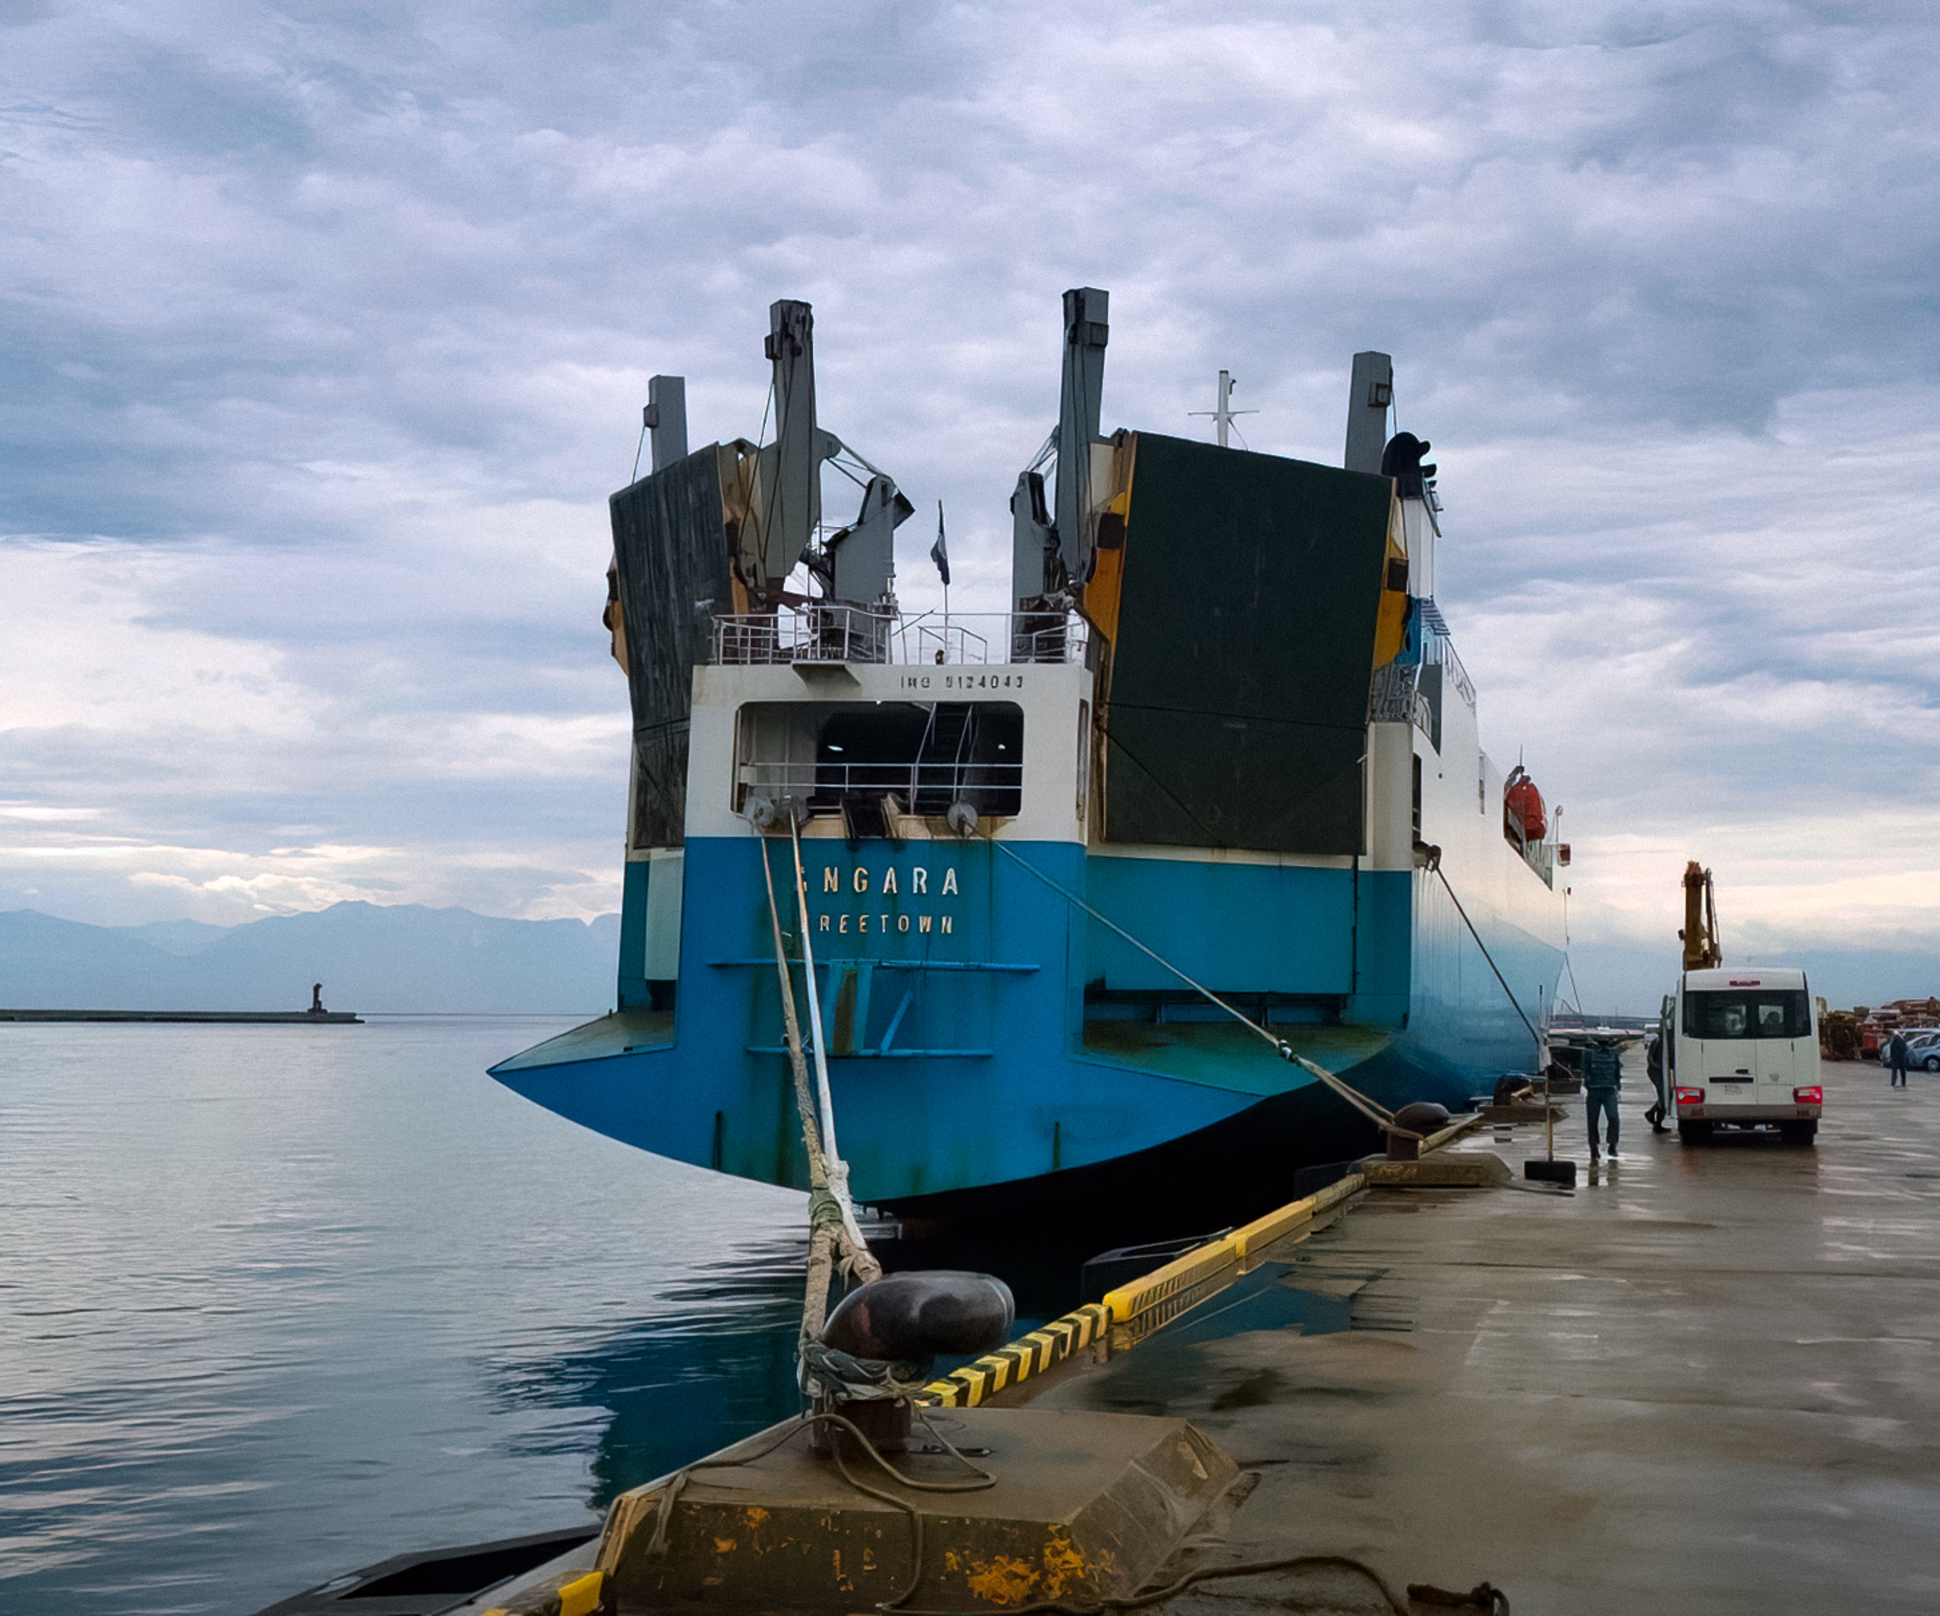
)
(1707, 1381)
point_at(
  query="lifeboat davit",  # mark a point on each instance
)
(1524, 804)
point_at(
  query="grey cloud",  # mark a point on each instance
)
(166, 100)
(313, 297)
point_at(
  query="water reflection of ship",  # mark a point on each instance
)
(715, 1359)
(1223, 714)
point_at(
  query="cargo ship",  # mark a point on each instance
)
(1221, 741)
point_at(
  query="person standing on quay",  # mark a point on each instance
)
(1602, 1075)
(1896, 1056)
(1654, 1065)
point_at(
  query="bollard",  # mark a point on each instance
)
(1422, 1117)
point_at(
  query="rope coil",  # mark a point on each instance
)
(859, 1380)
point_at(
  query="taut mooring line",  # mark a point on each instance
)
(1375, 1112)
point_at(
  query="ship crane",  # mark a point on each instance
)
(1700, 931)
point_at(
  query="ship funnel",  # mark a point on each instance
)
(1368, 398)
(1402, 461)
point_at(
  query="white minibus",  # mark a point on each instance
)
(1741, 1050)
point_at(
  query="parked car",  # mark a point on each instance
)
(1922, 1047)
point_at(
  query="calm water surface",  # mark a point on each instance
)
(278, 1301)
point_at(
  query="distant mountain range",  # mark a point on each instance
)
(401, 958)
(369, 957)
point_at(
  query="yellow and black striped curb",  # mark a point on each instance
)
(1130, 1302)
(1145, 1303)
(1033, 1354)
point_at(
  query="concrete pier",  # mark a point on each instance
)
(1706, 1381)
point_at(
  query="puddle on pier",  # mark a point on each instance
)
(1169, 1373)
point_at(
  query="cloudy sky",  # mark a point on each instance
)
(326, 330)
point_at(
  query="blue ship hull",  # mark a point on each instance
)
(1026, 1059)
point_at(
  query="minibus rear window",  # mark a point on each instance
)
(1748, 1013)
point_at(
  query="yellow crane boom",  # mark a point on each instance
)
(1700, 932)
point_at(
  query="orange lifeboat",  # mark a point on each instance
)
(1524, 805)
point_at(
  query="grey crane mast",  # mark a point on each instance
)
(791, 485)
(1050, 551)
(1369, 394)
(666, 418)
(857, 566)
(1079, 408)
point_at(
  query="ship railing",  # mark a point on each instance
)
(1396, 698)
(816, 633)
(1542, 859)
(1539, 855)
(1438, 648)
(925, 787)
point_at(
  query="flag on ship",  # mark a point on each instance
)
(940, 551)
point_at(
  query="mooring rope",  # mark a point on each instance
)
(1435, 864)
(831, 1220)
(838, 1169)
(1375, 1112)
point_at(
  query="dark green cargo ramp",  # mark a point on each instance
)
(1238, 684)
(670, 544)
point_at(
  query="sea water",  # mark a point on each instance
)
(276, 1302)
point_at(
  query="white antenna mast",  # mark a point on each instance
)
(1224, 412)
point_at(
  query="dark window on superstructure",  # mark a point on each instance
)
(840, 756)
(1748, 1013)
(1417, 796)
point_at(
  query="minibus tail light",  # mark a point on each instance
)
(1690, 1096)
(1812, 1096)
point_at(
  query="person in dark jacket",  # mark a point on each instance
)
(1897, 1056)
(1602, 1076)
(1654, 1065)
